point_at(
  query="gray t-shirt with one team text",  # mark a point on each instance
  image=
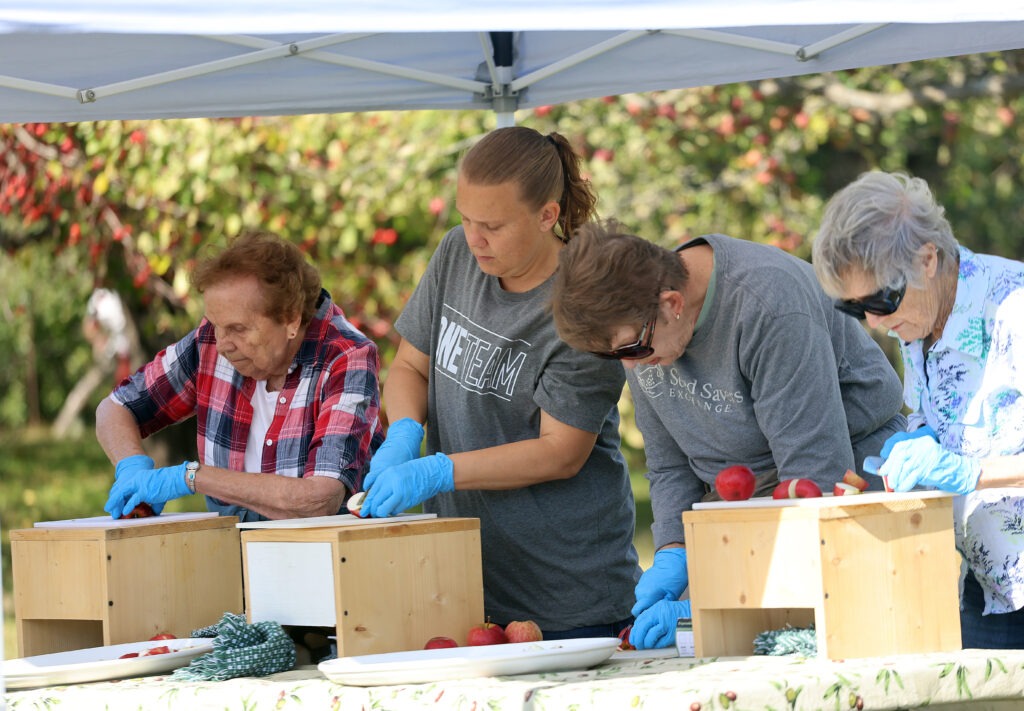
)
(560, 552)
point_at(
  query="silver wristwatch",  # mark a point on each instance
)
(190, 475)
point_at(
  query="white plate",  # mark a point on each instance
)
(463, 662)
(100, 663)
(630, 655)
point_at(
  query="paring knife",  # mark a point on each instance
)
(873, 464)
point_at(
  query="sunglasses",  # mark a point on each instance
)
(882, 303)
(640, 349)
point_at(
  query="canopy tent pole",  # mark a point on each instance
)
(500, 60)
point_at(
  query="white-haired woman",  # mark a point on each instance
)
(886, 252)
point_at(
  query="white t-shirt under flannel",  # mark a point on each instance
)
(970, 390)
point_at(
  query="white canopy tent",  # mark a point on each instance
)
(81, 60)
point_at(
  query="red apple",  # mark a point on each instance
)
(624, 644)
(355, 503)
(735, 483)
(485, 633)
(162, 635)
(525, 631)
(841, 488)
(854, 479)
(143, 510)
(440, 643)
(796, 489)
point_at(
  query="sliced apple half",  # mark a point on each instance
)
(355, 503)
(841, 488)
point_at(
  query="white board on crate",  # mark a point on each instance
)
(291, 583)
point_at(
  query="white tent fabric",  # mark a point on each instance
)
(76, 60)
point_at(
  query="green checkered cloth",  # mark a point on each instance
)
(790, 640)
(240, 649)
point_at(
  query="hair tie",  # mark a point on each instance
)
(551, 140)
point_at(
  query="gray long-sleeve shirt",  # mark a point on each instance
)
(774, 378)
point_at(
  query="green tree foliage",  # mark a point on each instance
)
(130, 205)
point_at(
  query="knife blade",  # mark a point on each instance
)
(873, 464)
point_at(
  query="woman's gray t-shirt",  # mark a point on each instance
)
(560, 552)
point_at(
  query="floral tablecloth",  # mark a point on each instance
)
(990, 679)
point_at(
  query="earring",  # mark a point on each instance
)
(293, 333)
(677, 317)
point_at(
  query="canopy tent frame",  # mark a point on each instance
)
(502, 92)
(120, 59)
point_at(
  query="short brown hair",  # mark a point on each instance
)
(544, 167)
(290, 284)
(607, 279)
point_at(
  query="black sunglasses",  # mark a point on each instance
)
(882, 303)
(640, 349)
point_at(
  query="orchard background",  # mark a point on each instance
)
(129, 205)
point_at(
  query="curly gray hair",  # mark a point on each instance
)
(879, 224)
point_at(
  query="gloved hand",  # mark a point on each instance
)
(895, 439)
(924, 461)
(403, 486)
(664, 580)
(656, 626)
(154, 486)
(401, 445)
(133, 463)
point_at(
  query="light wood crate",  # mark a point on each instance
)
(384, 587)
(89, 587)
(876, 573)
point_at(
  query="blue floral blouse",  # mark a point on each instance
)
(969, 387)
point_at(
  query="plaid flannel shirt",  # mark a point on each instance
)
(327, 418)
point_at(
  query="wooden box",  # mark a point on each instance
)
(95, 582)
(385, 586)
(876, 573)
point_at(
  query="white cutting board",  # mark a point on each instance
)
(874, 497)
(331, 521)
(107, 522)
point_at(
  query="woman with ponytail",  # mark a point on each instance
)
(521, 430)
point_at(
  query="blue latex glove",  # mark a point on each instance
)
(135, 485)
(136, 463)
(401, 445)
(666, 579)
(403, 486)
(133, 463)
(895, 439)
(924, 462)
(656, 627)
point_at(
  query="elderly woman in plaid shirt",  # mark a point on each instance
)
(285, 390)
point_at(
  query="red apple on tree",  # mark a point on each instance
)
(440, 643)
(796, 489)
(485, 633)
(523, 631)
(735, 483)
